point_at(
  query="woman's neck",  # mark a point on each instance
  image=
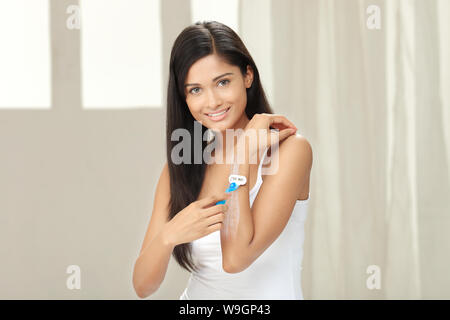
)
(223, 145)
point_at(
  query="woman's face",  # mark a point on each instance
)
(212, 85)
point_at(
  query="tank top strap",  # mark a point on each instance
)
(261, 164)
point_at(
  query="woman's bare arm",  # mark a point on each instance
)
(151, 265)
(259, 226)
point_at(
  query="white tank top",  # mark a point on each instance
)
(275, 274)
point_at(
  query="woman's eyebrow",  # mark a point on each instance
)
(216, 78)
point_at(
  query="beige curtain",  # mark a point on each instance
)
(374, 104)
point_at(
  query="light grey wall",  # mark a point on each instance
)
(76, 186)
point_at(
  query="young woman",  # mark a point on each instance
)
(215, 82)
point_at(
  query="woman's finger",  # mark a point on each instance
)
(283, 134)
(211, 200)
(218, 217)
(278, 126)
(211, 211)
(276, 120)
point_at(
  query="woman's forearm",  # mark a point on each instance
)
(235, 239)
(151, 266)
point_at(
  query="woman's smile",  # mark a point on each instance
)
(218, 116)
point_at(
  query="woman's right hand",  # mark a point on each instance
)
(197, 220)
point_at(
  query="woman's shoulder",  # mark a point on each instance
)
(293, 158)
(295, 143)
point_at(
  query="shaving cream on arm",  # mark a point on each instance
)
(231, 220)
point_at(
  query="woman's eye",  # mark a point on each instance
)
(192, 90)
(224, 82)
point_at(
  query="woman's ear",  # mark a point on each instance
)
(249, 77)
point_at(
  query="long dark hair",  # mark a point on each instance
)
(193, 43)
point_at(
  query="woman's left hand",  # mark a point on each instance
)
(258, 133)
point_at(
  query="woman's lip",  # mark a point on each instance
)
(222, 116)
(217, 111)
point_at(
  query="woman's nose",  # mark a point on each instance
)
(213, 100)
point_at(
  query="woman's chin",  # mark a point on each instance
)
(220, 128)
